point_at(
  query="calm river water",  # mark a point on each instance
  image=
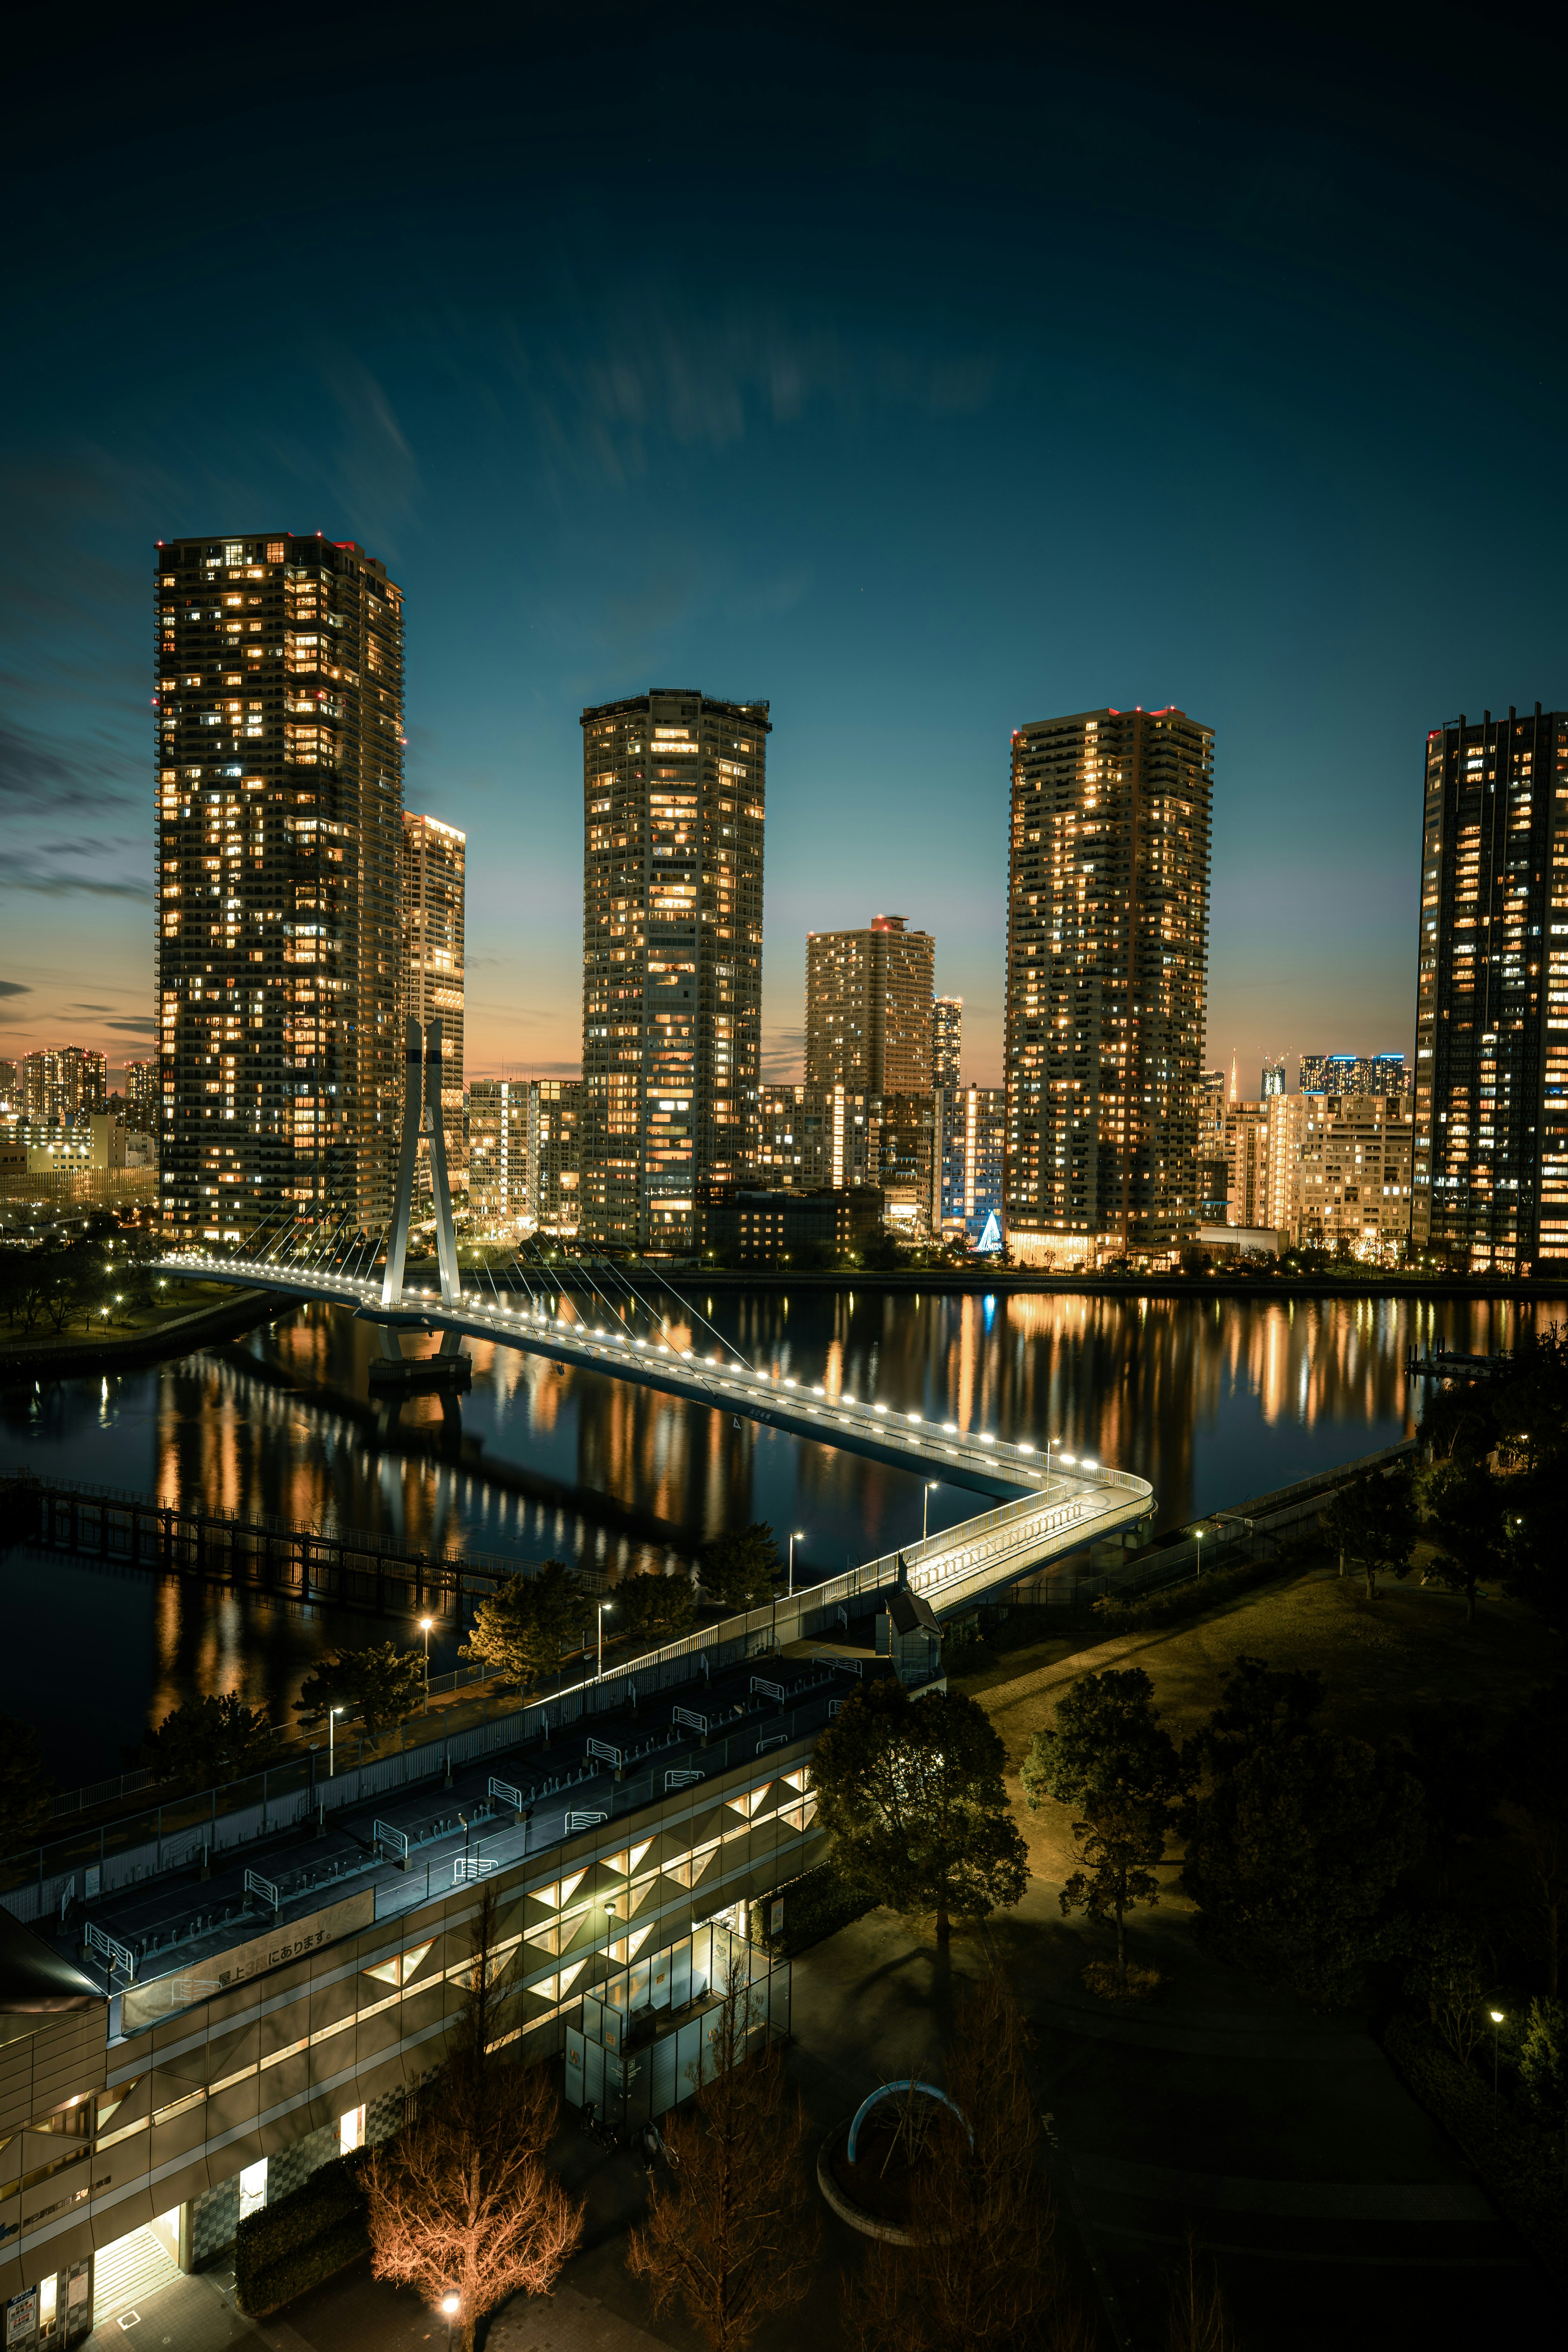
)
(1210, 1401)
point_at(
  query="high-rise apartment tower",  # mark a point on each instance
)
(1107, 972)
(674, 799)
(868, 1008)
(1489, 1185)
(433, 892)
(947, 1040)
(280, 803)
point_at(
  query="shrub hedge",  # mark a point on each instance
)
(303, 2239)
(1191, 1598)
(816, 1903)
(1520, 2163)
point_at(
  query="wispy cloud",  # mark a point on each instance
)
(14, 988)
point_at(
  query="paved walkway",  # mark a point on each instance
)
(355, 2313)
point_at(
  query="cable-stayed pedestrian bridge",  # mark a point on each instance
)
(1047, 1507)
(1043, 1509)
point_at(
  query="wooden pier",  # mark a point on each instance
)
(330, 1567)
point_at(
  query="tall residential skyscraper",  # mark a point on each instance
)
(869, 1007)
(1107, 973)
(279, 825)
(1354, 1074)
(1273, 1075)
(1490, 1176)
(947, 1040)
(142, 1098)
(674, 799)
(434, 888)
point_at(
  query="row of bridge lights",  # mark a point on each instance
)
(739, 1371)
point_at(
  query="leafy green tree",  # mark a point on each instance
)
(210, 1740)
(23, 1790)
(1372, 1521)
(740, 1570)
(1453, 1751)
(652, 1609)
(1535, 1807)
(1298, 1839)
(1543, 2069)
(1465, 1513)
(1445, 1973)
(1106, 1739)
(523, 1628)
(1120, 1842)
(912, 1793)
(374, 1687)
(1259, 1703)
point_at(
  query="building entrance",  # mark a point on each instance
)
(136, 2266)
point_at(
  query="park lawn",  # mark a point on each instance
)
(176, 1305)
(1380, 1660)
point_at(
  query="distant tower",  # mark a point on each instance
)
(1490, 1181)
(869, 1007)
(1107, 975)
(674, 796)
(434, 908)
(1235, 1085)
(1273, 1075)
(279, 815)
(947, 1036)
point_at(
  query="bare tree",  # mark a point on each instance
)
(1199, 2318)
(459, 2200)
(733, 2234)
(985, 2272)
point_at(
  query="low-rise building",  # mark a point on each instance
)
(178, 2050)
(810, 1138)
(498, 1149)
(1354, 1177)
(972, 1125)
(789, 1226)
(555, 1153)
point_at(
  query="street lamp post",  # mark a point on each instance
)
(450, 2307)
(1496, 2015)
(603, 1606)
(797, 1537)
(332, 1715)
(1199, 1533)
(926, 1491)
(425, 1625)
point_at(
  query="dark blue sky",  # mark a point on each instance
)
(925, 380)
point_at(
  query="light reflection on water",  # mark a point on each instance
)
(1211, 1400)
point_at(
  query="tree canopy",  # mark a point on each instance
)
(1466, 1517)
(911, 1792)
(1297, 1838)
(461, 2201)
(651, 1609)
(523, 1628)
(1373, 1522)
(209, 1740)
(1106, 1737)
(732, 2232)
(740, 1570)
(374, 1687)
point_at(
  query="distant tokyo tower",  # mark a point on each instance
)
(1235, 1091)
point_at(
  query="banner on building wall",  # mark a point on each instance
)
(144, 2004)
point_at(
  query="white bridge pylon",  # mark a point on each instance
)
(422, 1114)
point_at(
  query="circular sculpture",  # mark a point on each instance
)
(890, 2090)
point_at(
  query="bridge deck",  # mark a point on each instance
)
(1044, 1508)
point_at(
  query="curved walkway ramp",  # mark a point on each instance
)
(1042, 1509)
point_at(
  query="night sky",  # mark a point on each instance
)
(927, 383)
